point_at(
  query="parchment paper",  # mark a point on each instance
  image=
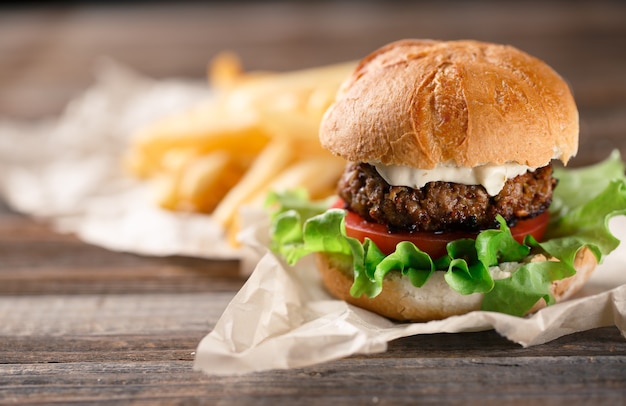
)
(283, 318)
(67, 170)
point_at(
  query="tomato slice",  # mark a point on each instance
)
(433, 244)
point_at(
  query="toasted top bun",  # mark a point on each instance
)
(420, 103)
(400, 300)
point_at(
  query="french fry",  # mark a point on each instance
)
(276, 156)
(296, 125)
(317, 174)
(319, 101)
(197, 183)
(291, 91)
(225, 70)
(166, 184)
(191, 132)
(165, 191)
(207, 179)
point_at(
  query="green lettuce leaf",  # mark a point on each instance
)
(409, 260)
(591, 179)
(529, 283)
(366, 257)
(578, 219)
(289, 212)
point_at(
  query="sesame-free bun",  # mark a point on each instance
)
(419, 103)
(400, 300)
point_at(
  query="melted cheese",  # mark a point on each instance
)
(491, 177)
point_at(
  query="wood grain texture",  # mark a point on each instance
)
(82, 324)
(424, 369)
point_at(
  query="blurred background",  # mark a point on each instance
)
(48, 50)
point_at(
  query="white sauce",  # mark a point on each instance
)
(492, 177)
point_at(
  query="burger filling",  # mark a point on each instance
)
(443, 206)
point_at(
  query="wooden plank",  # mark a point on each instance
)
(606, 341)
(56, 315)
(35, 260)
(177, 342)
(576, 378)
(63, 273)
(172, 345)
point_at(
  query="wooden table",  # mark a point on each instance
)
(81, 324)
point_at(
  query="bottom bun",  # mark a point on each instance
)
(400, 300)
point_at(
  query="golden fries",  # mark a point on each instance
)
(319, 183)
(259, 133)
(202, 130)
(224, 70)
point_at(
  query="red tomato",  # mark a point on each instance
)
(432, 243)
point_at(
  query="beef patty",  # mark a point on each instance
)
(440, 206)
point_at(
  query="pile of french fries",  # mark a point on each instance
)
(259, 133)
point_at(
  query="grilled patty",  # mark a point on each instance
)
(441, 206)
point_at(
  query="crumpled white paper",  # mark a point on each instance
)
(67, 170)
(283, 318)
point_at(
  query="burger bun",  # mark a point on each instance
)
(421, 103)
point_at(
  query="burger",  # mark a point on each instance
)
(445, 205)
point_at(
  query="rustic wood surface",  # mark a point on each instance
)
(81, 324)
